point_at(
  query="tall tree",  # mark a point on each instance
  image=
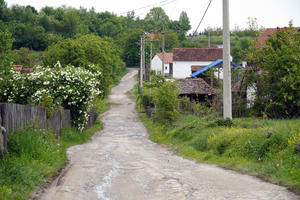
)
(5, 50)
(70, 22)
(155, 18)
(184, 22)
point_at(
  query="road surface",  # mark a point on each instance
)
(121, 163)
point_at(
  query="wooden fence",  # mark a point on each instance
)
(16, 116)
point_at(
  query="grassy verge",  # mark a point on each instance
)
(35, 155)
(263, 148)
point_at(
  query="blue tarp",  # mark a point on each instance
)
(211, 65)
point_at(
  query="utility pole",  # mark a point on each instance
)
(227, 104)
(143, 58)
(163, 49)
(141, 67)
(149, 72)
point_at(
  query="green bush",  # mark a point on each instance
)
(145, 100)
(47, 102)
(166, 101)
(87, 50)
(221, 122)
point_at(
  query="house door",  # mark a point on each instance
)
(171, 69)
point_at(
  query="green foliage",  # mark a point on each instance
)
(166, 101)
(131, 47)
(155, 19)
(35, 155)
(30, 36)
(5, 50)
(222, 122)
(46, 101)
(275, 73)
(86, 50)
(196, 108)
(5, 192)
(24, 57)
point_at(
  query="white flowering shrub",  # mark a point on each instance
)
(70, 87)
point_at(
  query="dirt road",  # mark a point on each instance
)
(121, 163)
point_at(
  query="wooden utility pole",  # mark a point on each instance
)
(149, 72)
(227, 101)
(163, 49)
(141, 67)
(143, 57)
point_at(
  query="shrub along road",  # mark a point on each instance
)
(122, 163)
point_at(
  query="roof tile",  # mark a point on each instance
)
(168, 57)
(197, 54)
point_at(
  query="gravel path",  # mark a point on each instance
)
(121, 163)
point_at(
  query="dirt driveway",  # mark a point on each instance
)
(121, 163)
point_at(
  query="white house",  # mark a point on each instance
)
(156, 63)
(188, 60)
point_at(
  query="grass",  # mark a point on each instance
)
(263, 148)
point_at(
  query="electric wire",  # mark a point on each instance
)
(152, 7)
(201, 19)
(143, 7)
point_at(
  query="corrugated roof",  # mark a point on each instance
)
(194, 86)
(168, 57)
(197, 54)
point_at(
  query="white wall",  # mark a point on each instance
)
(156, 65)
(182, 69)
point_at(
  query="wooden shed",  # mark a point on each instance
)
(196, 89)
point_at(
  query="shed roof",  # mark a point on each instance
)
(195, 68)
(197, 54)
(168, 57)
(194, 86)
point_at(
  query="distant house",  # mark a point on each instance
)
(196, 89)
(156, 63)
(188, 60)
(268, 32)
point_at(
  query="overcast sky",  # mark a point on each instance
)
(269, 13)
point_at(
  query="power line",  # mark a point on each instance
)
(201, 19)
(143, 7)
(151, 8)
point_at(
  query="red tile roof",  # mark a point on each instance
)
(168, 57)
(197, 54)
(18, 67)
(151, 35)
(23, 70)
(269, 31)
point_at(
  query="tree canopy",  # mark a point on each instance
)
(275, 73)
